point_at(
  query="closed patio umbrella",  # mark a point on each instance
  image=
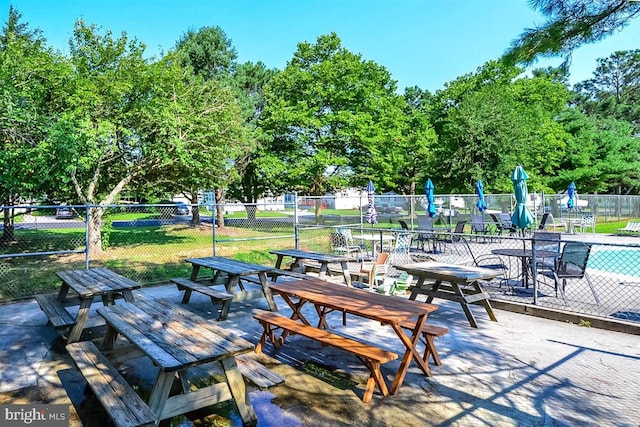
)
(571, 192)
(428, 191)
(481, 205)
(371, 216)
(521, 217)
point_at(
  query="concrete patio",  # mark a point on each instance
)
(519, 371)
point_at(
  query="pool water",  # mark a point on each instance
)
(623, 261)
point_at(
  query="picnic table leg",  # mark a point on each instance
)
(64, 290)
(324, 269)
(414, 291)
(267, 291)
(81, 319)
(297, 265)
(278, 265)
(464, 304)
(160, 393)
(485, 301)
(128, 296)
(346, 272)
(411, 352)
(239, 391)
(195, 269)
(110, 337)
(435, 287)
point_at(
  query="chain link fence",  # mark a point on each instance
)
(149, 244)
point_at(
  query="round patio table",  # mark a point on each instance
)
(525, 256)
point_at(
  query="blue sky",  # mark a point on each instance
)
(421, 42)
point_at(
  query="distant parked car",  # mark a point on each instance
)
(182, 209)
(390, 209)
(64, 213)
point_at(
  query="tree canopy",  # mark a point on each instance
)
(570, 24)
(334, 120)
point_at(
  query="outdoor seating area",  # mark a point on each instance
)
(390, 346)
(363, 301)
(226, 281)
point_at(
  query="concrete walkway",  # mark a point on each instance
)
(519, 371)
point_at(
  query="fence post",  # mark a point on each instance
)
(213, 225)
(86, 236)
(296, 230)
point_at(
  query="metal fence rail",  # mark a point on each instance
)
(149, 244)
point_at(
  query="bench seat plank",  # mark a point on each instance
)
(371, 356)
(254, 371)
(57, 314)
(217, 297)
(118, 398)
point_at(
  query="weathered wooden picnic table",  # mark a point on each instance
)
(323, 259)
(234, 275)
(461, 284)
(175, 339)
(87, 284)
(398, 313)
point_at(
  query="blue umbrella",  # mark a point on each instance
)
(428, 191)
(371, 216)
(481, 205)
(521, 217)
(571, 191)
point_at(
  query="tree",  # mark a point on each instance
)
(30, 80)
(489, 122)
(208, 52)
(614, 90)
(601, 154)
(333, 119)
(129, 121)
(211, 55)
(570, 24)
(202, 125)
(250, 79)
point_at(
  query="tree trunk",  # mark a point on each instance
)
(94, 226)
(195, 209)
(219, 208)
(318, 211)
(8, 226)
(251, 210)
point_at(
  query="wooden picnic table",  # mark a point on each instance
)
(234, 274)
(88, 284)
(323, 258)
(461, 284)
(387, 310)
(176, 339)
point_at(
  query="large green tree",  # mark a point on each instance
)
(210, 54)
(129, 120)
(490, 121)
(335, 120)
(31, 78)
(601, 155)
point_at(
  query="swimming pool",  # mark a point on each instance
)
(618, 261)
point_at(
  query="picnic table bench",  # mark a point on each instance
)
(387, 310)
(233, 275)
(370, 355)
(88, 285)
